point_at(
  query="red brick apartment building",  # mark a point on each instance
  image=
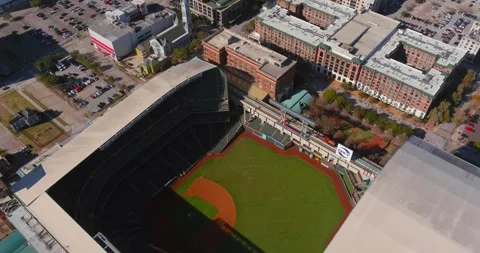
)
(366, 50)
(312, 14)
(250, 65)
(410, 71)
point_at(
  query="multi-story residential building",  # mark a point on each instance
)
(363, 5)
(291, 35)
(341, 56)
(221, 12)
(471, 42)
(362, 49)
(410, 71)
(249, 64)
(322, 13)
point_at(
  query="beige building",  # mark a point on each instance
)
(220, 12)
(471, 42)
(362, 5)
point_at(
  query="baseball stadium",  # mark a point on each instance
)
(169, 169)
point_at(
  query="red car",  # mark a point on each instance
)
(469, 129)
(93, 15)
(471, 125)
(78, 89)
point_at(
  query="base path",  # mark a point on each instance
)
(215, 195)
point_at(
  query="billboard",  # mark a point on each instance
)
(344, 152)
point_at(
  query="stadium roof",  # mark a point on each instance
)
(425, 200)
(31, 190)
(69, 156)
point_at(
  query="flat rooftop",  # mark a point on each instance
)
(429, 83)
(328, 7)
(425, 200)
(112, 32)
(57, 165)
(359, 37)
(218, 4)
(277, 18)
(273, 63)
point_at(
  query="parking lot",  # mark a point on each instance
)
(446, 21)
(88, 90)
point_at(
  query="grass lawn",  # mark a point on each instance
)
(46, 109)
(359, 135)
(203, 206)
(16, 102)
(348, 183)
(283, 204)
(39, 135)
(43, 134)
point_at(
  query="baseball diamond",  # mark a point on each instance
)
(278, 195)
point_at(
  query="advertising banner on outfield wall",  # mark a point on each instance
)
(344, 152)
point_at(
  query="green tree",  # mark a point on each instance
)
(6, 16)
(363, 94)
(349, 108)
(50, 80)
(179, 55)
(373, 100)
(194, 46)
(45, 64)
(35, 3)
(341, 102)
(456, 97)
(371, 116)
(249, 27)
(201, 35)
(330, 95)
(477, 144)
(359, 111)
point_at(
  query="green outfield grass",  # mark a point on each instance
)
(203, 206)
(283, 204)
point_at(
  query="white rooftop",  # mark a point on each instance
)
(430, 82)
(278, 18)
(341, 12)
(272, 63)
(54, 167)
(425, 200)
(362, 35)
(112, 32)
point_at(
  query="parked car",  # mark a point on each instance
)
(469, 129)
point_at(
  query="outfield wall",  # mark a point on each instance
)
(308, 142)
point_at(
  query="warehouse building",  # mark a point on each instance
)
(425, 200)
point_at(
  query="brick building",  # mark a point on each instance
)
(220, 12)
(341, 56)
(289, 34)
(410, 71)
(249, 64)
(405, 69)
